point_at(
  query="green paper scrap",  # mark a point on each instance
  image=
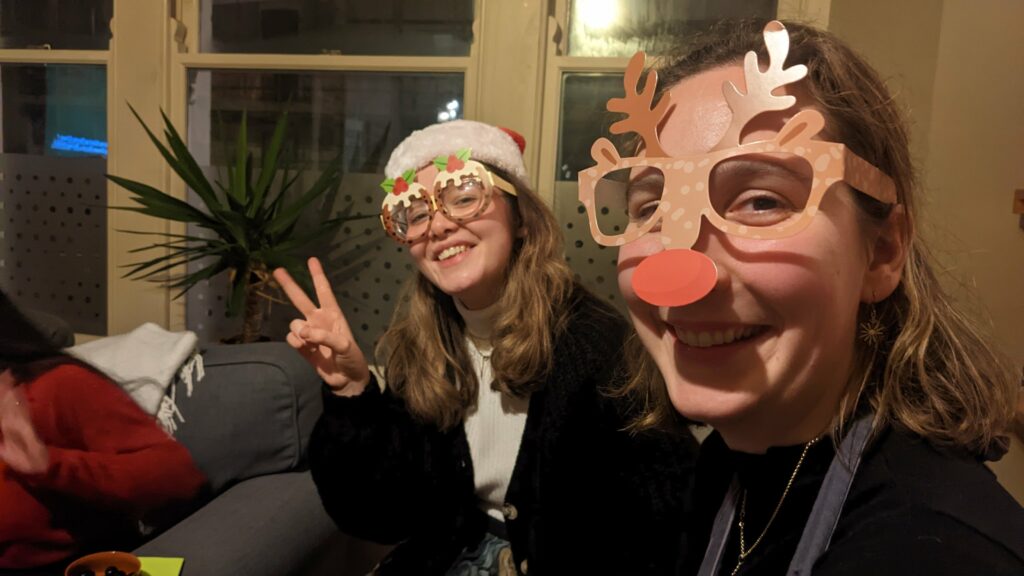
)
(156, 566)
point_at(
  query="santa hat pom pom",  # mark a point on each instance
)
(516, 136)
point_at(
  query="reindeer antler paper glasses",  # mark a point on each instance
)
(766, 189)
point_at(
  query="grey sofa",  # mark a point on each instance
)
(247, 425)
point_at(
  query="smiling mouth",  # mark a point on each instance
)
(712, 338)
(451, 251)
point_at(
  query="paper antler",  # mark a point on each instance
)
(642, 118)
(759, 97)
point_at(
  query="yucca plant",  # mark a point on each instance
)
(253, 227)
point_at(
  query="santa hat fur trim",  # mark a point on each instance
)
(489, 144)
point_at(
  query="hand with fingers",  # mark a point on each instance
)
(324, 338)
(20, 446)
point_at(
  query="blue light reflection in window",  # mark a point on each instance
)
(65, 143)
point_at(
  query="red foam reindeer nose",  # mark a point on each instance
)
(674, 278)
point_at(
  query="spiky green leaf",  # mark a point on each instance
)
(162, 205)
(241, 157)
(179, 159)
(167, 263)
(239, 286)
(269, 167)
(287, 217)
(190, 280)
(188, 168)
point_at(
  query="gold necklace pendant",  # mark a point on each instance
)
(741, 524)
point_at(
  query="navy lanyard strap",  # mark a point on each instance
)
(821, 524)
(817, 534)
(720, 531)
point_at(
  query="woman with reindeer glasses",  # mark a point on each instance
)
(492, 449)
(769, 258)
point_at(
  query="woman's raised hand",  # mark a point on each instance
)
(324, 338)
(20, 446)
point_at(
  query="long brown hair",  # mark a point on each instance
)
(426, 361)
(936, 375)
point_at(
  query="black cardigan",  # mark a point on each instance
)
(584, 497)
(912, 509)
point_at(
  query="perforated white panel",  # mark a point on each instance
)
(594, 265)
(53, 236)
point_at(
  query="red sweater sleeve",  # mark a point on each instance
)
(103, 448)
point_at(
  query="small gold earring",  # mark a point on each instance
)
(872, 331)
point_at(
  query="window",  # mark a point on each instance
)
(356, 79)
(53, 157)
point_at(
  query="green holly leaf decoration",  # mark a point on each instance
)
(441, 162)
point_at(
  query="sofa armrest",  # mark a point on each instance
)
(54, 328)
(252, 413)
(270, 525)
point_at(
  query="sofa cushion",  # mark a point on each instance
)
(266, 525)
(251, 414)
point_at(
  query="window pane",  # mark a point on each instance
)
(53, 221)
(359, 116)
(354, 27)
(60, 25)
(583, 120)
(621, 27)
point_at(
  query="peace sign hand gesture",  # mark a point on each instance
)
(324, 338)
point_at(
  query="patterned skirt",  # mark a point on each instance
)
(492, 557)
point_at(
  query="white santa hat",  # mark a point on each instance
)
(499, 147)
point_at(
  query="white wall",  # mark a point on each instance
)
(975, 161)
(955, 65)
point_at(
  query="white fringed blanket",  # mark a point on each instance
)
(145, 362)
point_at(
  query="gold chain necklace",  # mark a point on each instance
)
(744, 551)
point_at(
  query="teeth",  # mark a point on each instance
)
(449, 252)
(716, 338)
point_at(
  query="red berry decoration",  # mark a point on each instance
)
(454, 164)
(400, 186)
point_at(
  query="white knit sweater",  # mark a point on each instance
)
(495, 428)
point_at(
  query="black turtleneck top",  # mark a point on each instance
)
(911, 510)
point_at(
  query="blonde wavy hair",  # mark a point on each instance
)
(936, 375)
(426, 361)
